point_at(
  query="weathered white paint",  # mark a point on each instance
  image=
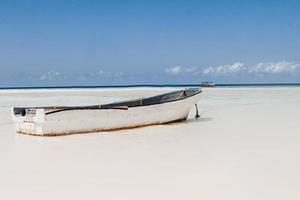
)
(82, 121)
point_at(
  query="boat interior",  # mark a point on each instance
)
(124, 105)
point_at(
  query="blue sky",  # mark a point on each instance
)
(48, 43)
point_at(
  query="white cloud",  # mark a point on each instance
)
(224, 69)
(260, 68)
(102, 73)
(50, 75)
(99, 74)
(179, 70)
(274, 68)
(174, 70)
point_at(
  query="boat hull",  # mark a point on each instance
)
(95, 120)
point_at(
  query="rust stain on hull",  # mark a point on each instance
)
(102, 130)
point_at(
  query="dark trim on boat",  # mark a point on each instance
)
(159, 99)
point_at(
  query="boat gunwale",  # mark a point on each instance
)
(110, 106)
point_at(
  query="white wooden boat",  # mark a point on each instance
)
(49, 121)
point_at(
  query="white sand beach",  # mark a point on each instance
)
(246, 145)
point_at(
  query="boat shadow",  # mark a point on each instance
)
(192, 120)
(201, 119)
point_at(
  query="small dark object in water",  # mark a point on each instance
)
(208, 84)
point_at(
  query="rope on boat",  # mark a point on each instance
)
(197, 116)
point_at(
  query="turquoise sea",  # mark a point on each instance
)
(158, 86)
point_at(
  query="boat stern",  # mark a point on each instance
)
(28, 120)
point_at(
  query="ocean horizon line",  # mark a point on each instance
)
(152, 85)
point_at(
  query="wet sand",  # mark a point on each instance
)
(246, 145)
